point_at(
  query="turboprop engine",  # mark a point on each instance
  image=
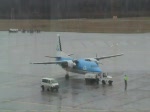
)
(68, 64)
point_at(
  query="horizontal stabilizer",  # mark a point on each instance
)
(52, 56)
(52, 62)
(70, 54)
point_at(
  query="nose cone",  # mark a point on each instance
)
(97, 70)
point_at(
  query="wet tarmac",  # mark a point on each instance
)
(20, 81)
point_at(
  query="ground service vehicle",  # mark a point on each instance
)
(49, 84)
(106, 79)
(96, 78)
(92, 78)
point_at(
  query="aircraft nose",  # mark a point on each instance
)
(98, 70)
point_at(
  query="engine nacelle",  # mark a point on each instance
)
(68, 64)
(71, 64)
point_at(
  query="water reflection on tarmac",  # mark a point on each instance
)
(20, 81)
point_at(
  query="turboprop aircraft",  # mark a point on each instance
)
(81, 66)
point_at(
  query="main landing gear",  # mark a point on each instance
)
(67, 76)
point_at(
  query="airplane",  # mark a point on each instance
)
(81, 65)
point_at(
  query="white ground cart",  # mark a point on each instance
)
(102, 78)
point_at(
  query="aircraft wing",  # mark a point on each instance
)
(105, 57)
(52, 62)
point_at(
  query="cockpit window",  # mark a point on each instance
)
(87, 60)
(93, 66)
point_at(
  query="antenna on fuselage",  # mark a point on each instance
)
(59, 46)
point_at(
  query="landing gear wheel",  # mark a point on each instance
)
(52, 89)
(97, 81)
(56, 89)
(67, 76)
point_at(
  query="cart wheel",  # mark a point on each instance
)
(103, 82)
(110, 82)
(97, 81)
(42, 88)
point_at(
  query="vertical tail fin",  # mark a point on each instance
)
(59, 48)
(59, 52)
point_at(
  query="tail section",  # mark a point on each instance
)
(59, 48)
(60, 53)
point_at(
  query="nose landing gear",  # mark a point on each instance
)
(67, 76)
